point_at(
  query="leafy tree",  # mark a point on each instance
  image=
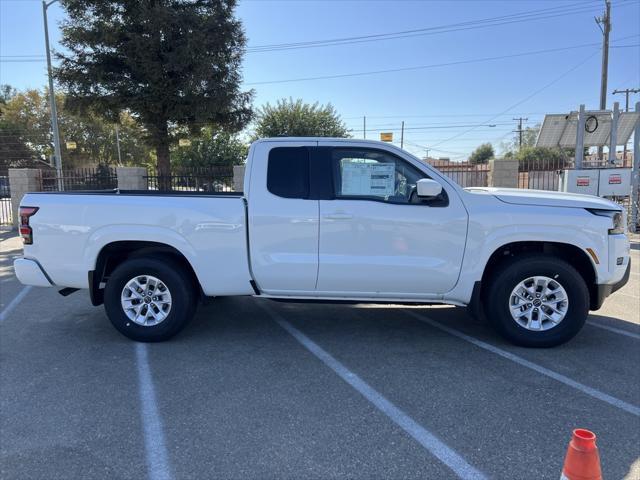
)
(97, 143)
(168, 62)
(298, 119)
(529, 137)
(14, 151)
(542, 158)
(482, 154)
(7, 92)
(26, 115)
(210, 149)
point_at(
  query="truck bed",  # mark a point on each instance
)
(71, 228)
(146, 193)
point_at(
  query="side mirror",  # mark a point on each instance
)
(428, 188)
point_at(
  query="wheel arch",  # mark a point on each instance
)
(575, 256)
(115, 253)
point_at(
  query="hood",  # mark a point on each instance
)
(544, 198)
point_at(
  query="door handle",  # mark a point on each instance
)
(338, 216)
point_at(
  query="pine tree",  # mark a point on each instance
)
(167, 62)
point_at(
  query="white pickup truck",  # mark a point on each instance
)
(334, 220)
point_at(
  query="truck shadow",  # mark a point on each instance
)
(241, 314)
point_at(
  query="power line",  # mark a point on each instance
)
(396, 125)
(423, 67)
(434, 115)
(521, 16)
(422, 128)
(468, 25)
(528, 97)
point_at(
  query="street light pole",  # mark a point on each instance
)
(52, 97)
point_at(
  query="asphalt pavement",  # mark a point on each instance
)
(255, 389)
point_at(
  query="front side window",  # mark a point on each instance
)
(374, 174)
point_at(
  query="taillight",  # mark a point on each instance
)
(25, 230)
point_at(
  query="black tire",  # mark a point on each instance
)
(175, 278)
(510, 274)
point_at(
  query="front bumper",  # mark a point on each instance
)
(603, 291)
(29, 272)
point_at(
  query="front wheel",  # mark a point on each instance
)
(537, 301)
(149, 299)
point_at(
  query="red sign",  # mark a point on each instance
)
(582, 181)
(615, 179)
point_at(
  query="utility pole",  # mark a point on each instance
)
(364, 124)
(52, 99)
(519, 131)
(627, 92)
(402, 136)
(635, 172)
(604, 22)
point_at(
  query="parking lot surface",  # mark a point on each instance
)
(259, 389)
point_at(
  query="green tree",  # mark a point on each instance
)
(167, 62)
(7, 92)
(97, 142)
(14, 151)
(298, 119)
(542, 158)
(482, 154)
(210, 149)
(529, 137)
(26, 115)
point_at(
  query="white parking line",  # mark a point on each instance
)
(155, 446)
(621, 404)
(428, 440)
(14, 303)
(615, 330)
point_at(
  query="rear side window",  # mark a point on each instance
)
(288, 172)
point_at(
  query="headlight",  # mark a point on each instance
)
(617, 219)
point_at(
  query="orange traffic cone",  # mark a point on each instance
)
(582, 461)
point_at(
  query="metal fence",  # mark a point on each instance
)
(465, 174)
(99, 178)
(6, 212)
(210, 179)
(544, 174)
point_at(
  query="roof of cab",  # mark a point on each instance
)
(318, 139)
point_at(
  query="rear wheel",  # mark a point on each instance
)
(537, 301)
(150, 299)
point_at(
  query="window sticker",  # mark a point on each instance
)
(368, 179)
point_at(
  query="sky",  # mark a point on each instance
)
(458, 77)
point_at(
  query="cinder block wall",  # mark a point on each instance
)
(503, 173)
(131, 178)
(238, 178)
(21, 181)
